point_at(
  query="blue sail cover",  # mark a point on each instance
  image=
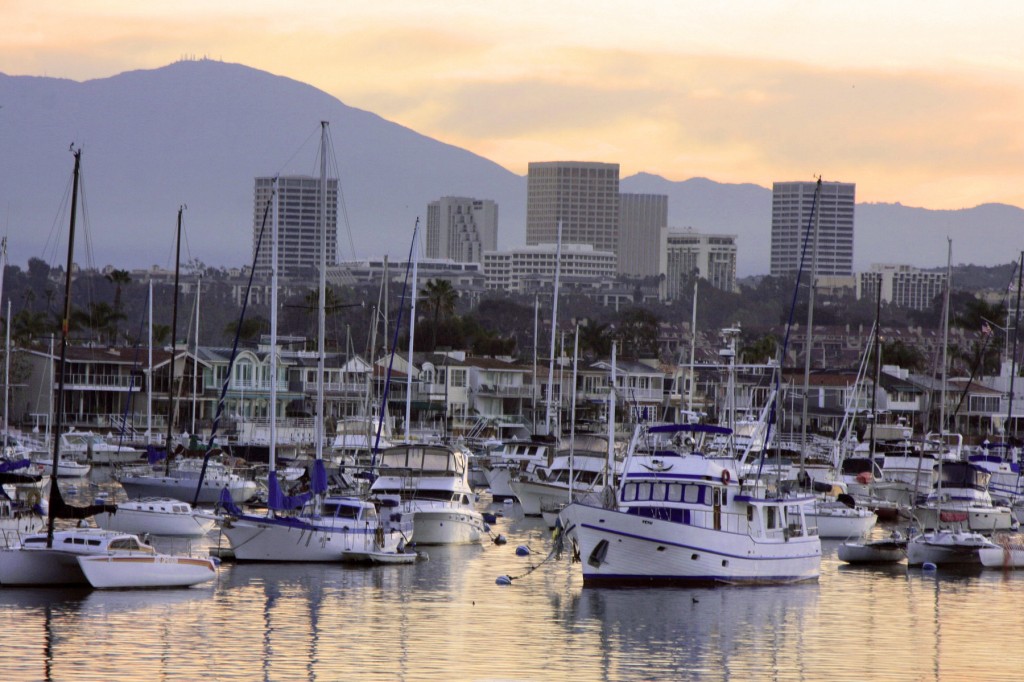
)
(278, 501)
(318, 483)
(227, 504)
(14, 465)
(155, 454)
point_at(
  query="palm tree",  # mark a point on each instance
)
(118, 278)
(441, 297)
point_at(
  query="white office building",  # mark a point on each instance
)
(642, 217)
(299, 239)
(685, 254)
(794, 221)
(461, 228)
(512, 271)
(584, 196)
(902, 285)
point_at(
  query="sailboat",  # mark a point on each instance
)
(185, 478)
(55, 557)
(946, 546)
(325, 527)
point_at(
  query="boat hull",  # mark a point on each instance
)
(947, 549)
(40, 567)
(170, 524)
(120, 572)
(977, 519)
(262, 539)
(185, 489)
(447, 526)
(842, 524)
(871, 553)
(617, 548)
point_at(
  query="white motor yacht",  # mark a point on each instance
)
(680, 517)
(431, 483)
(158, 516)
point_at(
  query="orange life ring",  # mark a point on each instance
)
(725, 477)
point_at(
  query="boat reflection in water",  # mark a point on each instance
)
(742, 630)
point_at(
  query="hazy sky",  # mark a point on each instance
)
(918, 102)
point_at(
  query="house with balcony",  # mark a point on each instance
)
(106, 389)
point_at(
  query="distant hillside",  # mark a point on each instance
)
(198, 132)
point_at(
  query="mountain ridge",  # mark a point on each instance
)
(197, 133)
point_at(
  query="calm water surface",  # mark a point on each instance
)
(445, 618)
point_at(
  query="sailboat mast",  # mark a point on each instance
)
(609, 465)
(272, 456)
(7, 342)
(7, 372)
(174, 336)
(64, 324)
(412, 331)
(693, 346)
(878, 366)
(945, 336)
(1013, 358)
(554, 331)
(149, 376)
(195, 363)
(322, 307)
(808, 345)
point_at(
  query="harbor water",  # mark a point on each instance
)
(446, 618)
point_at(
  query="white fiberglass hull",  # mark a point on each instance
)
(160, 570)
(871, 553)
(261, 539)
(842, 523)
(447, 526)
(536, 497)
(12, 527)
(944, 548)
(499, 481)
(40, 566)
(620, 548)
(172, 524)
(185, 489)
(974, 518)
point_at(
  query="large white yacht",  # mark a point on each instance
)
(680, 517)
(431, 483)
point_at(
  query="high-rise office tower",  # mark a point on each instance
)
(642, 217)
(298, 225)
(461, 229)
(688, 255)
(792, 213)
(583, 195)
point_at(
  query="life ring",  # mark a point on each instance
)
(725, 477)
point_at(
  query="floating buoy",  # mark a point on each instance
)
(500, 539)
(503, 580)
(928, 566)
(522, 550)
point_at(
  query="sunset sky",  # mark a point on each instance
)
(917, 102)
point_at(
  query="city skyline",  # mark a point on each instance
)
(757, 93)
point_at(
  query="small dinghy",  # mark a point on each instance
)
(891, 550)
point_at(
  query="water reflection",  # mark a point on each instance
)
(445, 618)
